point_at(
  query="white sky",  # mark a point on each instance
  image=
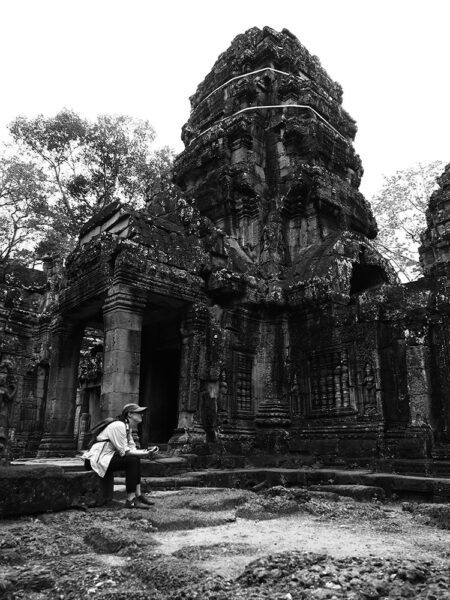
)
(145, 58)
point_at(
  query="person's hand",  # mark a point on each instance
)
(142, 453)
(149, 452)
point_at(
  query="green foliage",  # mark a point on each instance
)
(399, 208)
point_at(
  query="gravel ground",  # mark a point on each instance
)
(284, 544)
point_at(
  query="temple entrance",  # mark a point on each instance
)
(160, 373)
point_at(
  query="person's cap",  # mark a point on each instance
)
(133, 408)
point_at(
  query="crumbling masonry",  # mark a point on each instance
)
(259, 319)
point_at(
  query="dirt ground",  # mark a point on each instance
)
(221, 544)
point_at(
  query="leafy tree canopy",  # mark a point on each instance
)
(399, 208)
(87, 164)
(24, 212)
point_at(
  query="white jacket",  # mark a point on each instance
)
(116, 437)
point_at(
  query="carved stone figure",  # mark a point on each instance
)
(208, 409)
(294, 396)
(370, 392)
(345, 384)
(8, 391)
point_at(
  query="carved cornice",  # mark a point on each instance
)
(124, 299)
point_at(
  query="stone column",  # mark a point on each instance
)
(122, 315)
(418, 377)
(192, 365)
(58, 438)
(192, 350)
(419, 432)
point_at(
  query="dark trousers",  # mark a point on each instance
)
(130, 464)
(132, 467)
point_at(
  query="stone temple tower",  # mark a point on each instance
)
(270, 164)
(269, 155)
(257, 317)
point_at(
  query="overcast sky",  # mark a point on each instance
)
(145, 58)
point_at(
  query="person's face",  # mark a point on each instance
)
(134, 418)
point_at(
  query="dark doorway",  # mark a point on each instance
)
(365, 277)
(160, 373)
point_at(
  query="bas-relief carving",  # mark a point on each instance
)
(243, 364)
(329, 382)
(370, 402)
(208, 409)
(8, 392)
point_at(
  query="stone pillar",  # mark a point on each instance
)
(418, 384)
(58, 438)
(418, 381)
(122, 315)
(192, 367)
(192, 358)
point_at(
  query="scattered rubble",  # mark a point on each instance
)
(118, 554)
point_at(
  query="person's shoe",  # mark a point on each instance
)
(145, 500)
(135, 504)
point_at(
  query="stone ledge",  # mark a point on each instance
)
(161, 467)
(27, 490)
(431, 489)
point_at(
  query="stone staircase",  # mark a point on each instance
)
(424, 480)
(395, 486)
(168, 465)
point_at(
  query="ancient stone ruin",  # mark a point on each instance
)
(257, 318)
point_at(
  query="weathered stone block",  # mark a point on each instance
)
(123, 339)
(111, 403)
(299, 445)
(357, 448)
(27, 490)
(127, 382)
(363, 493)
(122, 361)
(123, 320)
(414, 447)
(324, 447)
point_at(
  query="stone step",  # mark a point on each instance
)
(223, 461)
(54, 488)
(32, 489)
(407, 487)
(169, 483)
(164, 466)
(68, 464)
(424, 467)
(363, 493)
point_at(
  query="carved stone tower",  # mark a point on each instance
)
(269, 161)
(435, 250)
(269, 156)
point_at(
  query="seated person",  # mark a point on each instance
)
(115, 450)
